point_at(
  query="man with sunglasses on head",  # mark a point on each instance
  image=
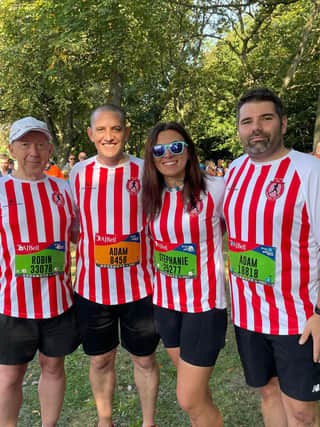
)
(272, 211)
(114, 272)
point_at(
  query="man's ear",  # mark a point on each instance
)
(284, 125)
(89, 131)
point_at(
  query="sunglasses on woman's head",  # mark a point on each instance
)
(175, 148)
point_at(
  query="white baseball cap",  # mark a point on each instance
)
(25, 125)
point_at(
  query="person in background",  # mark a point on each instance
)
(4, 165)
(114, 271)
(272, 212)
(52, 169)
(317, 151)
(65, 174)
(11, 165)
(36, 296)
(70, 163)
(211, 168)
(82, 156)
(220, 167)
(184, 210)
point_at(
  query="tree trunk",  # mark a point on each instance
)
(295, 63)
(316, 136)
(115, 89)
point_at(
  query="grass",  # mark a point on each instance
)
(239, 405)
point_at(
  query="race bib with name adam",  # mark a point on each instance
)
(112, 251)
(252, 262)
(39, 259)
(176, 260)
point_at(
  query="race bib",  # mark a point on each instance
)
(117, 251)
(176, 260)
(39, 259)
(252, 262)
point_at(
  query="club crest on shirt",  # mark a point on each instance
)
(196, 210)
(275, 189)
(133, 185)
(58, 198)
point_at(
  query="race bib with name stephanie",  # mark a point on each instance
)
(176, 260)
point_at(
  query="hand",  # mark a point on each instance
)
(312, 328)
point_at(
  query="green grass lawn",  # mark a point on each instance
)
(239, 405)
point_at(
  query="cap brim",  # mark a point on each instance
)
(24, 132)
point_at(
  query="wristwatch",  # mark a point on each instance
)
(317, 309)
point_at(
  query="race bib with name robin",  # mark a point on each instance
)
(39, 259)
(112, 251)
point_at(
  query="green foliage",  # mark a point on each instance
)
(249, 56)
(62, 58)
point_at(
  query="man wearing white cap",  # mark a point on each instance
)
(36, 297)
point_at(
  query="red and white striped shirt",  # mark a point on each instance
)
(35, 221)
(176, 227)
(109, 204)
(274, 208)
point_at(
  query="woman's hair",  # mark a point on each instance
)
(153, 181)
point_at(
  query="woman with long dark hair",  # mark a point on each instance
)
(184, 209)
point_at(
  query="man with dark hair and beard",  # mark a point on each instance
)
(272, 212)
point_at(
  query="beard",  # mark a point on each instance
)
(259, 147)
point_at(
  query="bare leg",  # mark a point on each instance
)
(174, 354)
(301, 414)
(146, 375)
(103, 379)
(51, 389)
(271, 405)
(194, 395)
(11, 377)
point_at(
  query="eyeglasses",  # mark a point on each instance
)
(175, 148)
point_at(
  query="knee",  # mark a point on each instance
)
(270, 391)
(305, 416)
(11, 376)
(53, 366)
(103, 363)
(188, 402)
(147, 364)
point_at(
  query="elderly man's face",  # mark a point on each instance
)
(32, 152)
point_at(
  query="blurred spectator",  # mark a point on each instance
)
(4, 164)
(82, 156)
(11, 165)
(65, 174)
(226, 168)
(70, 163)
(210, 167)
(317, 151)
(53, 170)
(220, 171)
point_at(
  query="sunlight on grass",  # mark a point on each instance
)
(238, 404)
